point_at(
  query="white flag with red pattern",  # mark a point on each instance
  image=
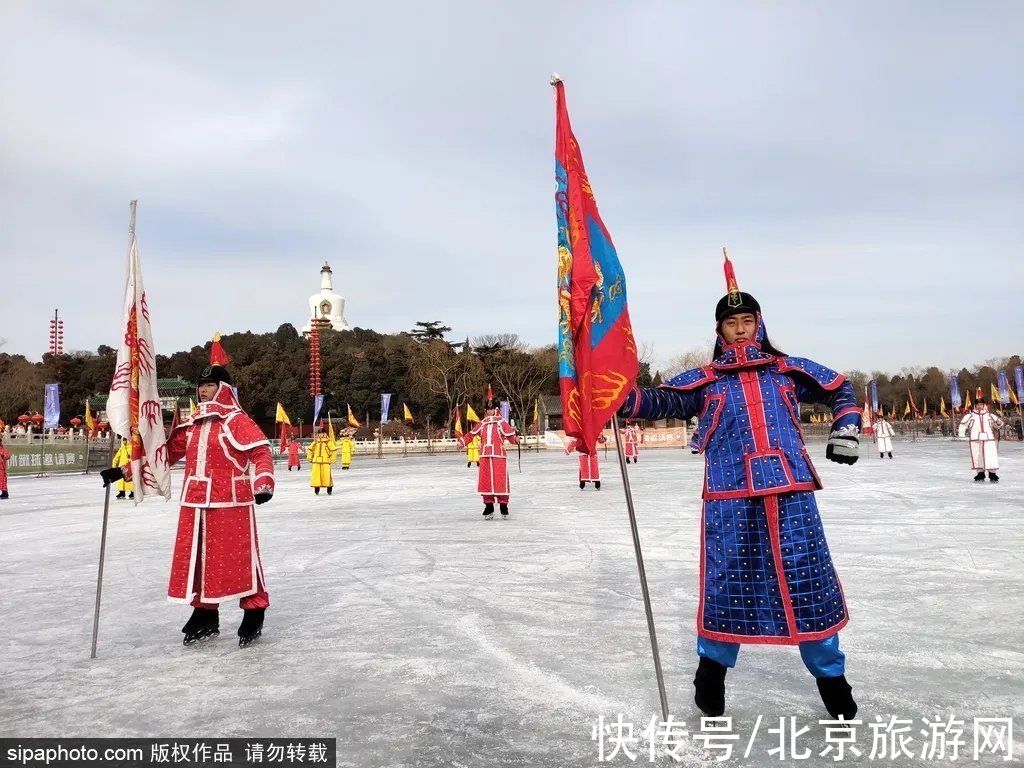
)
(133, 406)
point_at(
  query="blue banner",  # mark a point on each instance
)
(385, 406)
(1018, 379)
(874, 396)
(954, 391)
(318, 403)
(505, 409)
(1004, 388)
(51, 406)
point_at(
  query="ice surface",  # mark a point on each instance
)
(418, 633)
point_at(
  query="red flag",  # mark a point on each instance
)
(596, 350)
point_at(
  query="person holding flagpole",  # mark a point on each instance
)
(492, 476)
(229, 468)
(766, 571)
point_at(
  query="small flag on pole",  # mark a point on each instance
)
(471, 416)
(408, 413)
(218, 355)
(90, 423)
(457, 428)
(352, 420)
(281, 417)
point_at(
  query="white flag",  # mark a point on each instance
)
(133, 406)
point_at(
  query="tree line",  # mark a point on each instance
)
(420, 368)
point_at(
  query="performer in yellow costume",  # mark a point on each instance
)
(321, 453)
(473, 452)
(123, 456)
(348, 446)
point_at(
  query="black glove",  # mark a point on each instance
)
(263, 498)
(111, 475)
(843, 446)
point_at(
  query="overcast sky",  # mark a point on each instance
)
(862, 161)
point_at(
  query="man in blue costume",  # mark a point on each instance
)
(766, 574)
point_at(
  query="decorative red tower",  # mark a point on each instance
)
(56, 335)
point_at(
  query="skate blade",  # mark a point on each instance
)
(199, 637)
(244, 642)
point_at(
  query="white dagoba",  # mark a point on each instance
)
(327, 305)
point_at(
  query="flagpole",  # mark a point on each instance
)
(103, 539)
(640, 568)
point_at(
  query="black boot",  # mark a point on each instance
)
(993, 477)
(597, 485)
(710, 684)
(131, 495)
(980, 476)
(583, 484)
(120, 495)
(317, 490)
(504, 510)
(3, 495)
(890, 454)
(837, 696)
(330, 489)
(251, 626)
(203, 622)
(881, 455)
(469, 464)
(488, 510)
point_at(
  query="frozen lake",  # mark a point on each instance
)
(419, 634)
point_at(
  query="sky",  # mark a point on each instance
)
(862, 161)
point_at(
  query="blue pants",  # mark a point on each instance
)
(821, 657)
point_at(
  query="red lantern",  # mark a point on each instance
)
(76, 422)
(24, 419)
(37, 419)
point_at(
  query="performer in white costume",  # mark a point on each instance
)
(982, 428)
(884, 434)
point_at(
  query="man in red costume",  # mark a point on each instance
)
(492, 476)
(228, 468)
(631, 441)
(294, 446)
(590, 466)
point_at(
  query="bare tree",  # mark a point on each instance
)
(437, 371)
(522, 376)
(688, 360)
(492, 342)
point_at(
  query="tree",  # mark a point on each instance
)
(429, 331)
(437, 372)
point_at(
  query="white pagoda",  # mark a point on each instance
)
(326, 307)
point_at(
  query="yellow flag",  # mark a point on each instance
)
(536, 411)
(471, 414)
(967, 400)
(1013, 397)
(458, 422)
(906, 411)
(330, 431)
(995, 394)
(352, 420)
(408, 413)
(89, 423)
(282, 417)
(191, 405)
(942, 406)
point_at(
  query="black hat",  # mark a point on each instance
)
(729, 306)
(213, 374)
